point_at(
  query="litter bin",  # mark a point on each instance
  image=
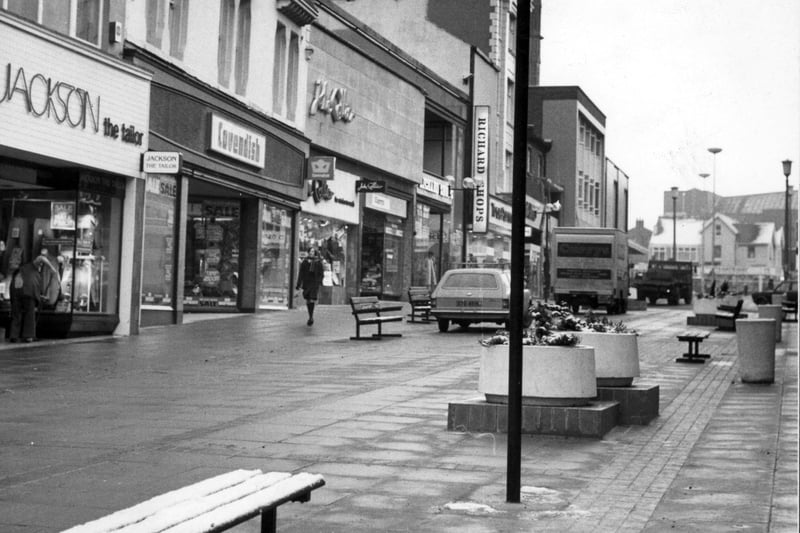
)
(774, 312)
(755, 342)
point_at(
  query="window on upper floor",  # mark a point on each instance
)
(439, 146)
(286, 67)
(167, 25)
(233, 52)
(512, 33)
(751, 252)
(509, 101)
(509, 172)
(81, 19)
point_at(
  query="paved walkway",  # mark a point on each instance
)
(90, 427)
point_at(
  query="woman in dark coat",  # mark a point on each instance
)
(309, 280)
(26, 288)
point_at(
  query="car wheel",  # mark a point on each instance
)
(688, 298)
(652, 300)
(575, 308)
(443, 324)
(611, 309)
(463, 324)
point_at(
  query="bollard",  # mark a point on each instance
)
(774, 312)
(755, 342)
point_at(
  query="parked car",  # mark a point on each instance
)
(787, 287)
(467, 296)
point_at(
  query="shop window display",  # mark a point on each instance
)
(73, 237)
(212, 255)
(158, 257)
(330, 237)
(275, 262)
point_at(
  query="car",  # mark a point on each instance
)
(467, 296)
(787, 287)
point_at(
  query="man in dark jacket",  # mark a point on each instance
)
(309, 279)
(26, 288)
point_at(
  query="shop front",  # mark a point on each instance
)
(434, 248)
(73, 126)
(384, 246)
(219, 233)
(329, 220)
(493, 248)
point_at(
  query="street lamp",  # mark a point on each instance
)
(787, 169)
(553, 207)
(674, 222)
(714, 151)
(703, 175)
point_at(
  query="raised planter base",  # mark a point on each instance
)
(638, 405)
(477, 415)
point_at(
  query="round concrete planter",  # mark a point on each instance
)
(616, 357)
(755, 343)
(551, 375)
(705, 306)
(774, 312)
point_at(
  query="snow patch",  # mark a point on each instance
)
(470, 507)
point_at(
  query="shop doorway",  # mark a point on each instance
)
(212, 275)
(381, 256)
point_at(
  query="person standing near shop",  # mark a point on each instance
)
(26, 289)
(309, 280)
(431, 271)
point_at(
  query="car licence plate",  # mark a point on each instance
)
(468, 303)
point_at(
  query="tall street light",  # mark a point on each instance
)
(674, 222)
(703, 175)
(787, 169)
(714, 151)
(468, 186)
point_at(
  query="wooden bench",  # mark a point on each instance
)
(727, 315)
(789, 307)
(694, 337)
(420, 300)
(216, 504)
(367, 312)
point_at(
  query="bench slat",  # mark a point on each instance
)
(251, 505)
(139, 512)
(185, 510)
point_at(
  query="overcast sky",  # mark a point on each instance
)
(675, 77)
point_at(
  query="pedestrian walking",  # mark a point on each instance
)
(431, 271)
(26, 289)
(309, 280)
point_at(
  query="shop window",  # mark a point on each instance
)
(212, 255)
(286, 66)
(331, 237)
(233, 53)
(77, 18)
(158, 257)
(275, 269)
(74, 236)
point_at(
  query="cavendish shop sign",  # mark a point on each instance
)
(46, 97)
(233, 140)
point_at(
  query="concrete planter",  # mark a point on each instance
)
(705, 306)
(616, 357)
(551, 375)
(755, 343)
(774, 312)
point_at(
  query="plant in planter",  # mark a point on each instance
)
(616, 350)
(556, 370)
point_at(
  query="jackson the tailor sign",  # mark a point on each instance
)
(68, 102)
(162, 162)
(236, 141)
(480, 168)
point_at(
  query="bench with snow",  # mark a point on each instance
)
(215, 504)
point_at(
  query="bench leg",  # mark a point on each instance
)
(381, 334)
(693, 355)
(269, 520)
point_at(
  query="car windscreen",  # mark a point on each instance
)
(471, 281)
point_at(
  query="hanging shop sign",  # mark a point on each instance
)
(499, 215)
(386, 204)
(480, 168)
(162, 162)
(436, 188)
(235, 141)
(364, 186)
(321, 167)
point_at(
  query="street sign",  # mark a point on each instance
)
(370, 186)
(162, 162)
(321, 167)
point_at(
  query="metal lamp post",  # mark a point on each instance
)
(714, 151)
(468, 185)
(703, 175)
(674, 223)
(787, 169)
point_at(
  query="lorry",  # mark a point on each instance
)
(666, 279)
(590, 268)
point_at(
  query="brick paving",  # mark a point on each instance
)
(90, 427)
